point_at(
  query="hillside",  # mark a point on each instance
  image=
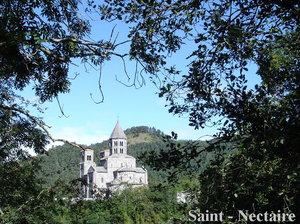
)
(61, 162)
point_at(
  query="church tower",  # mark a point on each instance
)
(117, 141)
(87, 160)
(114, 169)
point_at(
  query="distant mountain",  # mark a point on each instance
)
(62, 162)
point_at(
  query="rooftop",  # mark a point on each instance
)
(118, 132)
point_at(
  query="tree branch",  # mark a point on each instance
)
(100, 88)
(42, 126)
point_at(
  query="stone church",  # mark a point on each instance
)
(115, 166)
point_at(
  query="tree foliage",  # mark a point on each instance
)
(39, 40)
(61, 162)
(23, 199)
(230, 39)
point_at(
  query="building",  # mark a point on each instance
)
(115, 166)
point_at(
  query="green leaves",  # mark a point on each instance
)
(261, 123)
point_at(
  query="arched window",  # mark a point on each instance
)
(82, 156)
(115, 143)
(102, 180)
(90, 177)
(121, 143)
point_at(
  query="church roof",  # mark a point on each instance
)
(118, 132)
(101, 169)
(125, 169)
(91, 170)
(115, 182)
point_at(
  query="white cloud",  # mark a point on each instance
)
(80, 135)
(191, 134)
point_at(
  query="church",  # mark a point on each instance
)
(115, 166)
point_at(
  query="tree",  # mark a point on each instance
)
(23, 199)
(39, 40)
(259, 122)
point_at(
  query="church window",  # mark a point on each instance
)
(115, 151)
(121, 143)
(121, 150)
(115, 143)
(89, 158)
(90, 177)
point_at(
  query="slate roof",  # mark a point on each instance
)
(118, 132)
(91, 170)
(115, 182)
(126, 169)
(100, 169)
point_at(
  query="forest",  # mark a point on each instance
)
(241, 78)
(57, 172)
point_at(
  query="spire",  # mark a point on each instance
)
(118, 132)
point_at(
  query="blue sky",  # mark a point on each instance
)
(87, 122)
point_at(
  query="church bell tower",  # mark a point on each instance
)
(117, 141)
(86, 160)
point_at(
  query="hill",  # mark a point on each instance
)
(62, 162)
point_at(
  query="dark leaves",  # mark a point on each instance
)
(229, 37)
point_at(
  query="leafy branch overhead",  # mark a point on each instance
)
(39, 40)
(230, 43)
(225, 39)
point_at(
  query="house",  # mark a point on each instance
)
(115, 166)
